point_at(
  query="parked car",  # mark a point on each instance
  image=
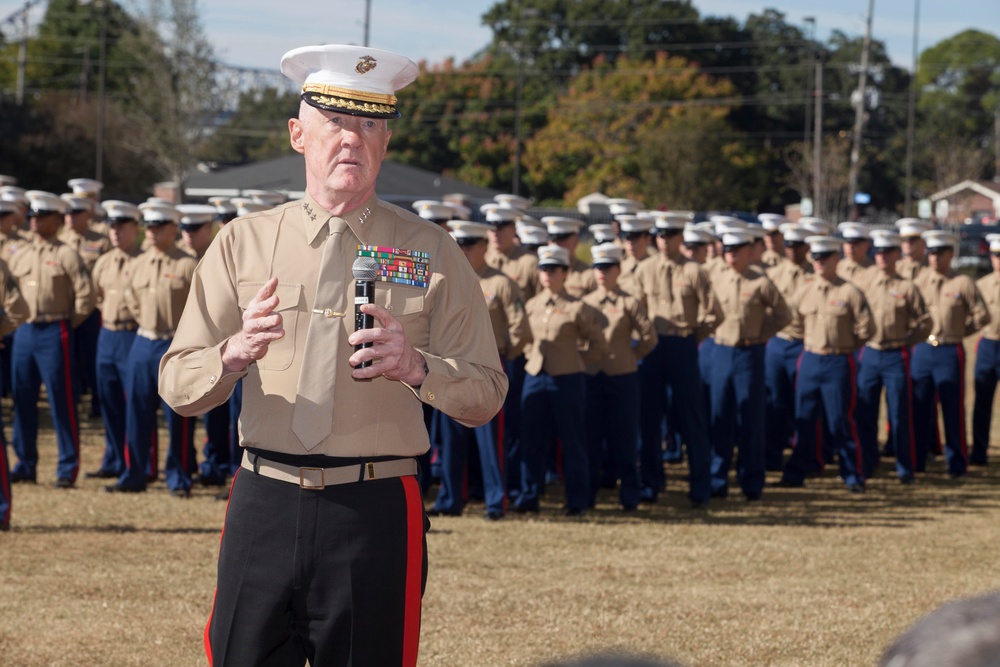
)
(973, 249)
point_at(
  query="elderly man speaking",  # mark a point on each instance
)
(323, 556)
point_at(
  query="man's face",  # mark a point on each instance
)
(123, 234)
(940, 260)
(568, 241)
(343, 152)
(164, 235)
(855, 249)
(78, 221)
(475, 252)
(739, 258)
(886, 259)
(46, 224)
(826, 264)
(774, 241)
(636, 244)
(198, 238)
(502, 237)
(914, 248)
(8, 222)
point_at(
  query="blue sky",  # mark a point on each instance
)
(255, 33)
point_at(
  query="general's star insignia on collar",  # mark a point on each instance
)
(308, 209)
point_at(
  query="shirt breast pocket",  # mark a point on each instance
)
(406, 304)
(281, 352)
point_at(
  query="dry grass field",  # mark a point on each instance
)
(812, 577)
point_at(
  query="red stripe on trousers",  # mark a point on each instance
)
(67, 362)
(5, 482)
(962, 447)
(414, 569)
(850, 416)
(208, 625)
(501, 462)
(909, 407)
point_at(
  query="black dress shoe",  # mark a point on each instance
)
(699, 504)
(222, 495)
(855, 487)
(789, 484)
(21, 478)
(907, 479)
(574, 511)
(101, 474)
(63, 483)
(753, 497)
(720, 493)
(526, 509)
(493, 515)
(116, 488)
(4, 527)
(180, 493)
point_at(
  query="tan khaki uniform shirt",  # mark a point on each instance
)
(856, 272)
(519, 265)
(15, 308)
(678, 297)
(10, 244)
(788, 277)
(90, 245)
(566, 334)
(629, 273)
(754, 308)
(580, 279)
(771, 258)
(908, 269)
(622, 317)
(898, 310)
(158, 290)
(447, 322)
(112, 275)
(506, 308)
(54, 282)
(989, 288)
(834, 315)
(955, 304)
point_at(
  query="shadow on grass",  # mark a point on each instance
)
(823, 502)
(112, 529)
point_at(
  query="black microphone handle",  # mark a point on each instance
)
(364, 292)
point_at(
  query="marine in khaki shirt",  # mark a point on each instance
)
(898, 311)
(834, 316)
(15, 308)
(464, 377)
(77, 232)
(566, 334)
(112, 276)
(955, 304)
(158, 290)
(564, 232)
(678, 296)
(754, 308)
(514, 262)
(54, 281)
(11, 236)
(622, 316)
(788, 276)
(989, 288)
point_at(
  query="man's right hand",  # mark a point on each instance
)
(261, 327)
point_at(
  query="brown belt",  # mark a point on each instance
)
(317, 479)
(155, 335)
(744, 342)
(120, 326)
(45, 319)
(888, 347)
(830, 350)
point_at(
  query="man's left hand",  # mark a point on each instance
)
(391, 356)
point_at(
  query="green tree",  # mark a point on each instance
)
(258, 130)
(650, 131)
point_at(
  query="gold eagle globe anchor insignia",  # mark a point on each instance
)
(365, 65)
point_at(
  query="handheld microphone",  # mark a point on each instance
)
(365, 269)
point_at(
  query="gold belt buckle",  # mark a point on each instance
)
(311, 487)
(370, 469)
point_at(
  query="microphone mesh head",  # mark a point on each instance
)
(364, 268)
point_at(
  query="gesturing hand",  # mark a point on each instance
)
(261, 327)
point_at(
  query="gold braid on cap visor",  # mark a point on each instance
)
(346, 98)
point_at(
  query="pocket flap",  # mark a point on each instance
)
(288, 294)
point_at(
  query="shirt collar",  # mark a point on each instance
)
(315, 218)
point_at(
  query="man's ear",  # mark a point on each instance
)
(295, 137)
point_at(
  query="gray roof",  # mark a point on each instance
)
(396, 182)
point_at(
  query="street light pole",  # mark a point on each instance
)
(859, 116)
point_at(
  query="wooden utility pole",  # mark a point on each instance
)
(859, 116)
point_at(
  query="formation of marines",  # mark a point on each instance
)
(724, 343)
